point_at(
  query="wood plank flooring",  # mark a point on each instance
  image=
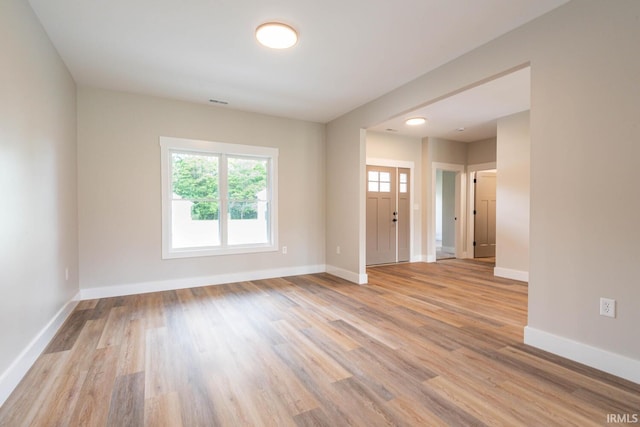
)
(420, 345)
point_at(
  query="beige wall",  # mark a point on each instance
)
(38, 237)
(585, 102)
(394, 147)
(346, 166)
(447, 151)
(119, 187)
(480, 152)
(512, 196)
(584, 136)
(404, 149)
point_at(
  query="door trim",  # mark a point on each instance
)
(470, 200)
(391, 163)
(461, 251)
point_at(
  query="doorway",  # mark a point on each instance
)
(445, 214)
(453, 211)
(388, 207)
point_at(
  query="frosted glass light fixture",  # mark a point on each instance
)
(415, 121)
(276, 35)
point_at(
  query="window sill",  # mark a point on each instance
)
(205, 252)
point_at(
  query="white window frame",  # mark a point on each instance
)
(169, 145)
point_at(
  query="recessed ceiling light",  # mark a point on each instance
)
(276, 35)
(460, 129)
(415, 121)
(391, 130)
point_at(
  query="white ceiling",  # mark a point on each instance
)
(350, 51)
(474, 110)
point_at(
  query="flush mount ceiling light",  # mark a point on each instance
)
(415, 121)
(276, 35)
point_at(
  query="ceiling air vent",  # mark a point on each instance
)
(218, 101)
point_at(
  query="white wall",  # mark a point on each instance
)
(400, 148)
(512, 197)
(585, 98)
(38, 237)
(120, 198)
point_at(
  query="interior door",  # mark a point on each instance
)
(485, 215)
(382, 215)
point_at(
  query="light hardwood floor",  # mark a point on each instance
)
(421, 345)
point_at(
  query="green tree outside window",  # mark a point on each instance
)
(195, 178)
(246, 179)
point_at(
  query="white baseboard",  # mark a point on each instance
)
(612, 363)
(431, 258)
(192, 282)
(508, 273)
(10, 378)
(449, 249)
(359, 279)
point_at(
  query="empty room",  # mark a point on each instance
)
(421, 212)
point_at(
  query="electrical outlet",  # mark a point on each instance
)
(284, 250)
(607, 307)
(66, 273)
(338, 250)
